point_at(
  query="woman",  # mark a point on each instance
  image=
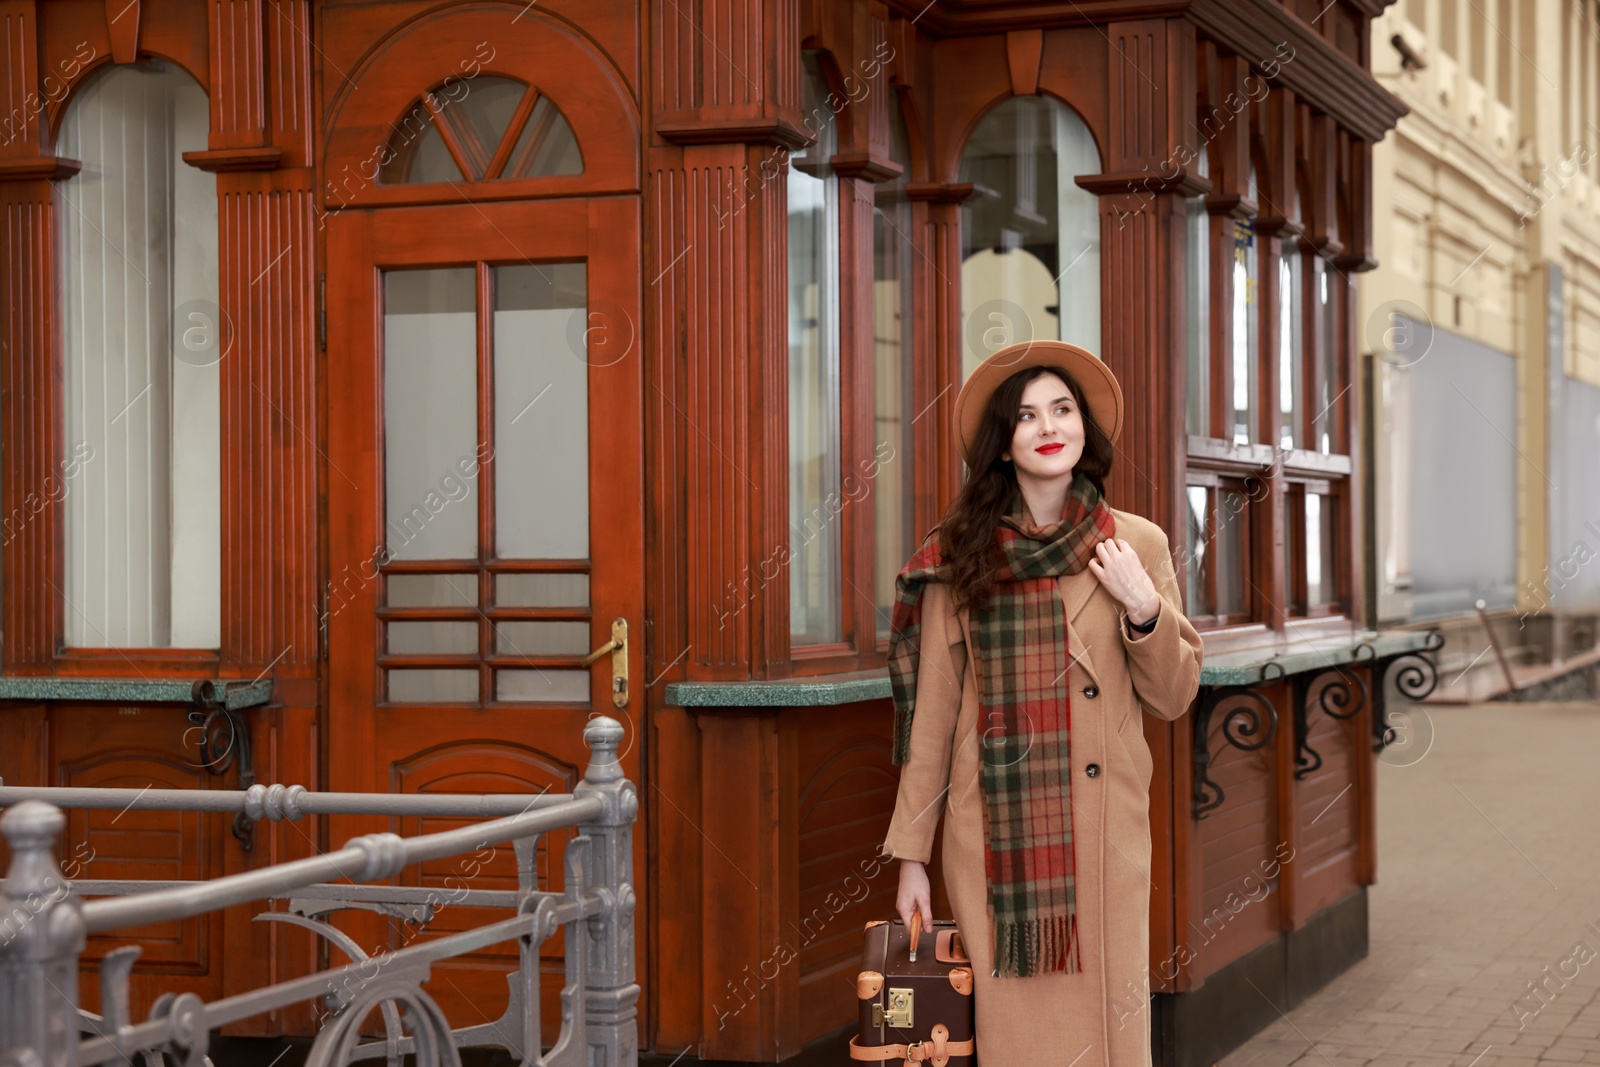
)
(1069, 613)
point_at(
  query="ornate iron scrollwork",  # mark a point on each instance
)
(1414, 680)
(1239, 725)
(1347, 702)
(224, 742)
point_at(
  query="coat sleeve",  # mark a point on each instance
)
(925, 776)
(1164, 663)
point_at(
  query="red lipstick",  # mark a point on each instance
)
(1050, 449)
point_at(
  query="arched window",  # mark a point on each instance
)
(1030, 235)
(484, 128)
(142, 337)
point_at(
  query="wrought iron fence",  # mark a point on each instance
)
(45, 919)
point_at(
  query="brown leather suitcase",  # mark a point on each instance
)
(914, 1012)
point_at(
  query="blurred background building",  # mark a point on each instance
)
(1482, 333)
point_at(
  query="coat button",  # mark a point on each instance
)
(1091, 691)
(1093, 770)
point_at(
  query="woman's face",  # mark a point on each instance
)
(1048, 439)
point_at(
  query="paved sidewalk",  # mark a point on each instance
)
(1485, 920)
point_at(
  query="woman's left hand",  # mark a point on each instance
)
(1118, 568)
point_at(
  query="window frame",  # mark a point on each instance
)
(1281, 473)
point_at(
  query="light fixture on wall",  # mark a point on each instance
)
(1409, 59)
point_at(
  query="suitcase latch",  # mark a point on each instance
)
(898, 1013)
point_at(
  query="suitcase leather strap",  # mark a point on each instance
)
(937, 1050)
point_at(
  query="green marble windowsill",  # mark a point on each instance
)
(231, 694)
(1223, 668)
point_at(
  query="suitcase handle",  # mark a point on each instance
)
(949, 948)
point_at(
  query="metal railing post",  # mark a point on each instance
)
(41, 937)
(611, 994)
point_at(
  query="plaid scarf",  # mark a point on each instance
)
(1021, 640)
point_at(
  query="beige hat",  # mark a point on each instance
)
(1100, 389)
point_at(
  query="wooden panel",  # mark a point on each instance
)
(136, 747)
(1326, 863)
(1236, 841)
(748, 883)
(472, 989)
(846, 797)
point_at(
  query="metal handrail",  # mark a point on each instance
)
(371, 858)
(44, 923)
(292, 802)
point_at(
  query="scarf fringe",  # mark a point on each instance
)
(1037, 946)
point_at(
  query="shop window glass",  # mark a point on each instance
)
(815, 575)
(480, 129)
(1030, 235)
(1291, 348)
(1320, 585)
(893, 260)
(1324, 320)
(1246, 327)
(1218, 531)
(142, 337)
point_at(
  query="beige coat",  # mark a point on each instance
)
(1096, 1017)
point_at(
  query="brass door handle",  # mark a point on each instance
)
(618, 647)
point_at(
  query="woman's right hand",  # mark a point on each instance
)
(914, 895)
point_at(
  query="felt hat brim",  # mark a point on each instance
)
(1100, 389)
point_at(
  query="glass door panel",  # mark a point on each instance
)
(487, 596)
(541, 401)
(430, 405)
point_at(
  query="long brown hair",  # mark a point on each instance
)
(966, 534)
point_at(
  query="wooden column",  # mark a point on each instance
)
(33, 482)
(1149, 172)
(724, 111)
(270, 426)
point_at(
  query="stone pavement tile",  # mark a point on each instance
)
(1486, 870)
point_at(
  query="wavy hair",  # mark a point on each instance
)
(966, 534)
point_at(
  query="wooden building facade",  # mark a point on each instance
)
(366, 365)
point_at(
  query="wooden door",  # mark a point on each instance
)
(486, 524)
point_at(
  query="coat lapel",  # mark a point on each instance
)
(1076, 592)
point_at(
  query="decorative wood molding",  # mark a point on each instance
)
(939, 192)
(1240, 207)
(1024, 52)
(123, 21)
(1253, 28)
(865, 165)
(759, 131)
(238, 67)
(29, 169)
(1319, 72)
(1184, 182)
(224, 160)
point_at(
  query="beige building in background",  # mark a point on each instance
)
(1480, 328)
